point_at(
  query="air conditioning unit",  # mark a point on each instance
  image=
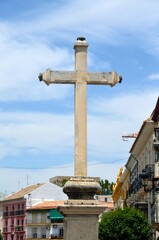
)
(48, 227)
(156, 173)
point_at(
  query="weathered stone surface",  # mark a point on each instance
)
(82, 188)
(81, 222)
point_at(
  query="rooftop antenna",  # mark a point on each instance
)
(27, 179)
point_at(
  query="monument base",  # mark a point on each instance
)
(82, 188)
(80, 221)
(81, 211)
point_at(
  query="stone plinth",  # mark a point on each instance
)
(81, 221)
(81, 210)
(82, 188)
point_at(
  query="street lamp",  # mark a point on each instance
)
(147, 179)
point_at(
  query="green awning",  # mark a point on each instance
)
(55, 215)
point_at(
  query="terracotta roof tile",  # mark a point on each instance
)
(22, 192)
(47, 205)
(55, 204)
(109, 205)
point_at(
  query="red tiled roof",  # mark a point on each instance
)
(47, 205)
(55, 204)
(109, 205)
(22, 192)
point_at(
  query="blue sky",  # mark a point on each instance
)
(37, 121)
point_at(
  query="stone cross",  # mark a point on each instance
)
(80, 78)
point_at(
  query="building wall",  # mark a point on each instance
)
(121, 187)
(48, 191)
(14, 219)
(39, 225)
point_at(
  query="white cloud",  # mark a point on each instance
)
(20, 65)
(20, 178)
(40, 132)
(153, 76)
(54, 133)
(28, 47)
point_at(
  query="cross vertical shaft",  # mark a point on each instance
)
(80, 109)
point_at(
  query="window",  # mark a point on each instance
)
(43, 232)
(106, 199)
(156, 156)
(22, 205)
(43, 217)
(34, 232)
(34, 217)
(18, 206)
(13, 207)
(157, 134)
(61, 232)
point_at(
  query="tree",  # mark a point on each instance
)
(1, 238)
(106, 187)
(124, 224)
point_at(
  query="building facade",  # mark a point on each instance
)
(14, 216)
(120, 188)
(142, 181)
(44, 221)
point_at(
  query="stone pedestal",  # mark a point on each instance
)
(81, 222)
(81, 211)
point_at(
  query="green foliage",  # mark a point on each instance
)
(64, 180)
(1, 238)
(106, 187)
(124, 224)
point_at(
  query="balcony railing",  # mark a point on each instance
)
(5, 214)
(135, 186)
(11, 213)
(5, 229)
(19, 212)
(19, 228)
(156, 139)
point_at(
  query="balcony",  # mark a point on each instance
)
(19, 212)
(11, 213)
(156, 139)
(156, 145)
(135, 186)
(5, 214)
(5, 229)
(19, 229)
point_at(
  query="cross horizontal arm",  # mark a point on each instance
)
(104, 78)
(58, 77)
(71, 77)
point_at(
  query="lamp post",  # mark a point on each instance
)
(150, 184)
(147, 179)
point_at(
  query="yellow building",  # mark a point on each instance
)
(121, 188)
